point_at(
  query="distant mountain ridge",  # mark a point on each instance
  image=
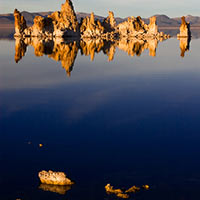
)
(162, 20)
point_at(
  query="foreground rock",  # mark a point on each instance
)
(124, 194)
(118, 192)
(54, 178)
(184, 28)
(64, 23)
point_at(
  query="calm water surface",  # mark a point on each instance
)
(134, 120)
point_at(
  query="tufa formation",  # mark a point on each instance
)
(184, 28)
(64, 24)
(54, 178)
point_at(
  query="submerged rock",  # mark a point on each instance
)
(184, 28)
(54, 178)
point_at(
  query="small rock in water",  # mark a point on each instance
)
(54, 178)
(146, 187)
(118, 192)
(40, 145)
(133, 189)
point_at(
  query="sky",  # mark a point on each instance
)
(121, 8)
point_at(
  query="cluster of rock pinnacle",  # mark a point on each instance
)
(64, 23)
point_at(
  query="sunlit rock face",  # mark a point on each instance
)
(54, 178)
(64, 23)
(135, 27)
(118, 192)
(59, 189)
(184, 28)
(90, 28)
(152, 28)
(184, 45)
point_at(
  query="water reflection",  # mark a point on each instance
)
(184, 45)
(66, 51)
(60, 189)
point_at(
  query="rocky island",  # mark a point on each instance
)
(64, 24)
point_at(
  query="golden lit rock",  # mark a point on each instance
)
(123, 196)
(64, 23)
(58, 24)
(20, 23)
(184, 28)
(90, 28)
(146, 187)
(152, 27)
(118, 192)
(54, 178)
(132, 189)
(109, 189)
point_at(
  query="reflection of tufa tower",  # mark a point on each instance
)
(184, 28)
(184, 45)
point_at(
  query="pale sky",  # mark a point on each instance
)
(121, 8)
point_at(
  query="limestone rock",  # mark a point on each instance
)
(109, 189)
(54, 178)
(110, 23)
(58, 24)
(90, 28)
(132, 27)
(118, 192)
(132, 189)
(64, 23)
(20, 23)
(153, 28)
(184, 28)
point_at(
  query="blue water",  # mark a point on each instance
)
(131, 121)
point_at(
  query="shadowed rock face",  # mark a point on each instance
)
(184, 28)
(20, 23)
(64, 23)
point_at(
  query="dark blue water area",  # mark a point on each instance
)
(132, 121)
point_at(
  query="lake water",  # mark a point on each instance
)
(129, 117)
